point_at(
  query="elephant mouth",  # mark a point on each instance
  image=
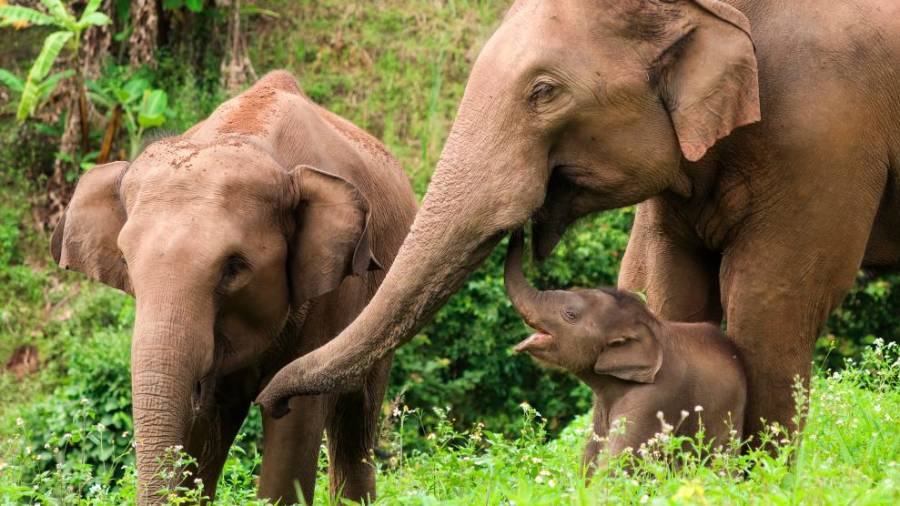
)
(538, 342)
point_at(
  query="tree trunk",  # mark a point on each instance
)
(145, 31)
(237, 70)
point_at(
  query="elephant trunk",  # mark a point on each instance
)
(525, 298)
(465, 214)
(171, 352)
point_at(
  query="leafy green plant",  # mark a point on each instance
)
(39, 83)
(44, 89)
(141, 106)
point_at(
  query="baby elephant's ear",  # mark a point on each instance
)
(635, 357)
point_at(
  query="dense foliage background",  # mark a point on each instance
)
(395, 67)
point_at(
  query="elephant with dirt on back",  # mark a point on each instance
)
(760, 138)
(254, 237)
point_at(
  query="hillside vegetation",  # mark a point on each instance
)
(467, 421)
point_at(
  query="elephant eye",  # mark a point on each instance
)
(570, 314)
(615, 343)
(233, 267)
(542, 92)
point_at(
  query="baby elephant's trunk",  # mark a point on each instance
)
(525, 298)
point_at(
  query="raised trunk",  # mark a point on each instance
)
(171, 350)
(525, 298)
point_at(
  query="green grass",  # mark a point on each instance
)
(847, 454)
(398, 69)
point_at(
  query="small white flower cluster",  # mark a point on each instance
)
(545, 474)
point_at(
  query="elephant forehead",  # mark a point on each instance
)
(183, 171)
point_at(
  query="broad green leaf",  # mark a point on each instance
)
(194, 5)
(153, 108)
(53, 44)
(60, 14)
(102, 99)
(91, 8)
(45, 89)
(11, 81)
(9, 14)
(95, 19)
(133, 90)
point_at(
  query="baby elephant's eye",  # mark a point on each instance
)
(615, 343)
(570, 314)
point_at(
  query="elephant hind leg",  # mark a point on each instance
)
(352, 428)
(680, 280)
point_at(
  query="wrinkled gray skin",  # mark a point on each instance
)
(637, 365)
(253, 238)
(577, 106)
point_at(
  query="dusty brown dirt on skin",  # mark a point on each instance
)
(357, 136)
(250, 116)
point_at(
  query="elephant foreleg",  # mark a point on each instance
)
(679, 278)
(778, 291)
(291, 451)
(352, 433)
(213, 433)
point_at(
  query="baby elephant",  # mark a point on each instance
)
(637, 365)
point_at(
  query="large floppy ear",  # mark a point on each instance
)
(86, 238)
(709, 79)
(332, 238)
(635, 356)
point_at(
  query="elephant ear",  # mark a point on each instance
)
(86, 238)
(332, 238)
(710, 84)
(636, 356)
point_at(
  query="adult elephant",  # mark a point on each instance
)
(251, 239)
(577, 106)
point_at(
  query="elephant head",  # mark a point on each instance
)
(572, 107)
(604, 331)
(219, 244)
